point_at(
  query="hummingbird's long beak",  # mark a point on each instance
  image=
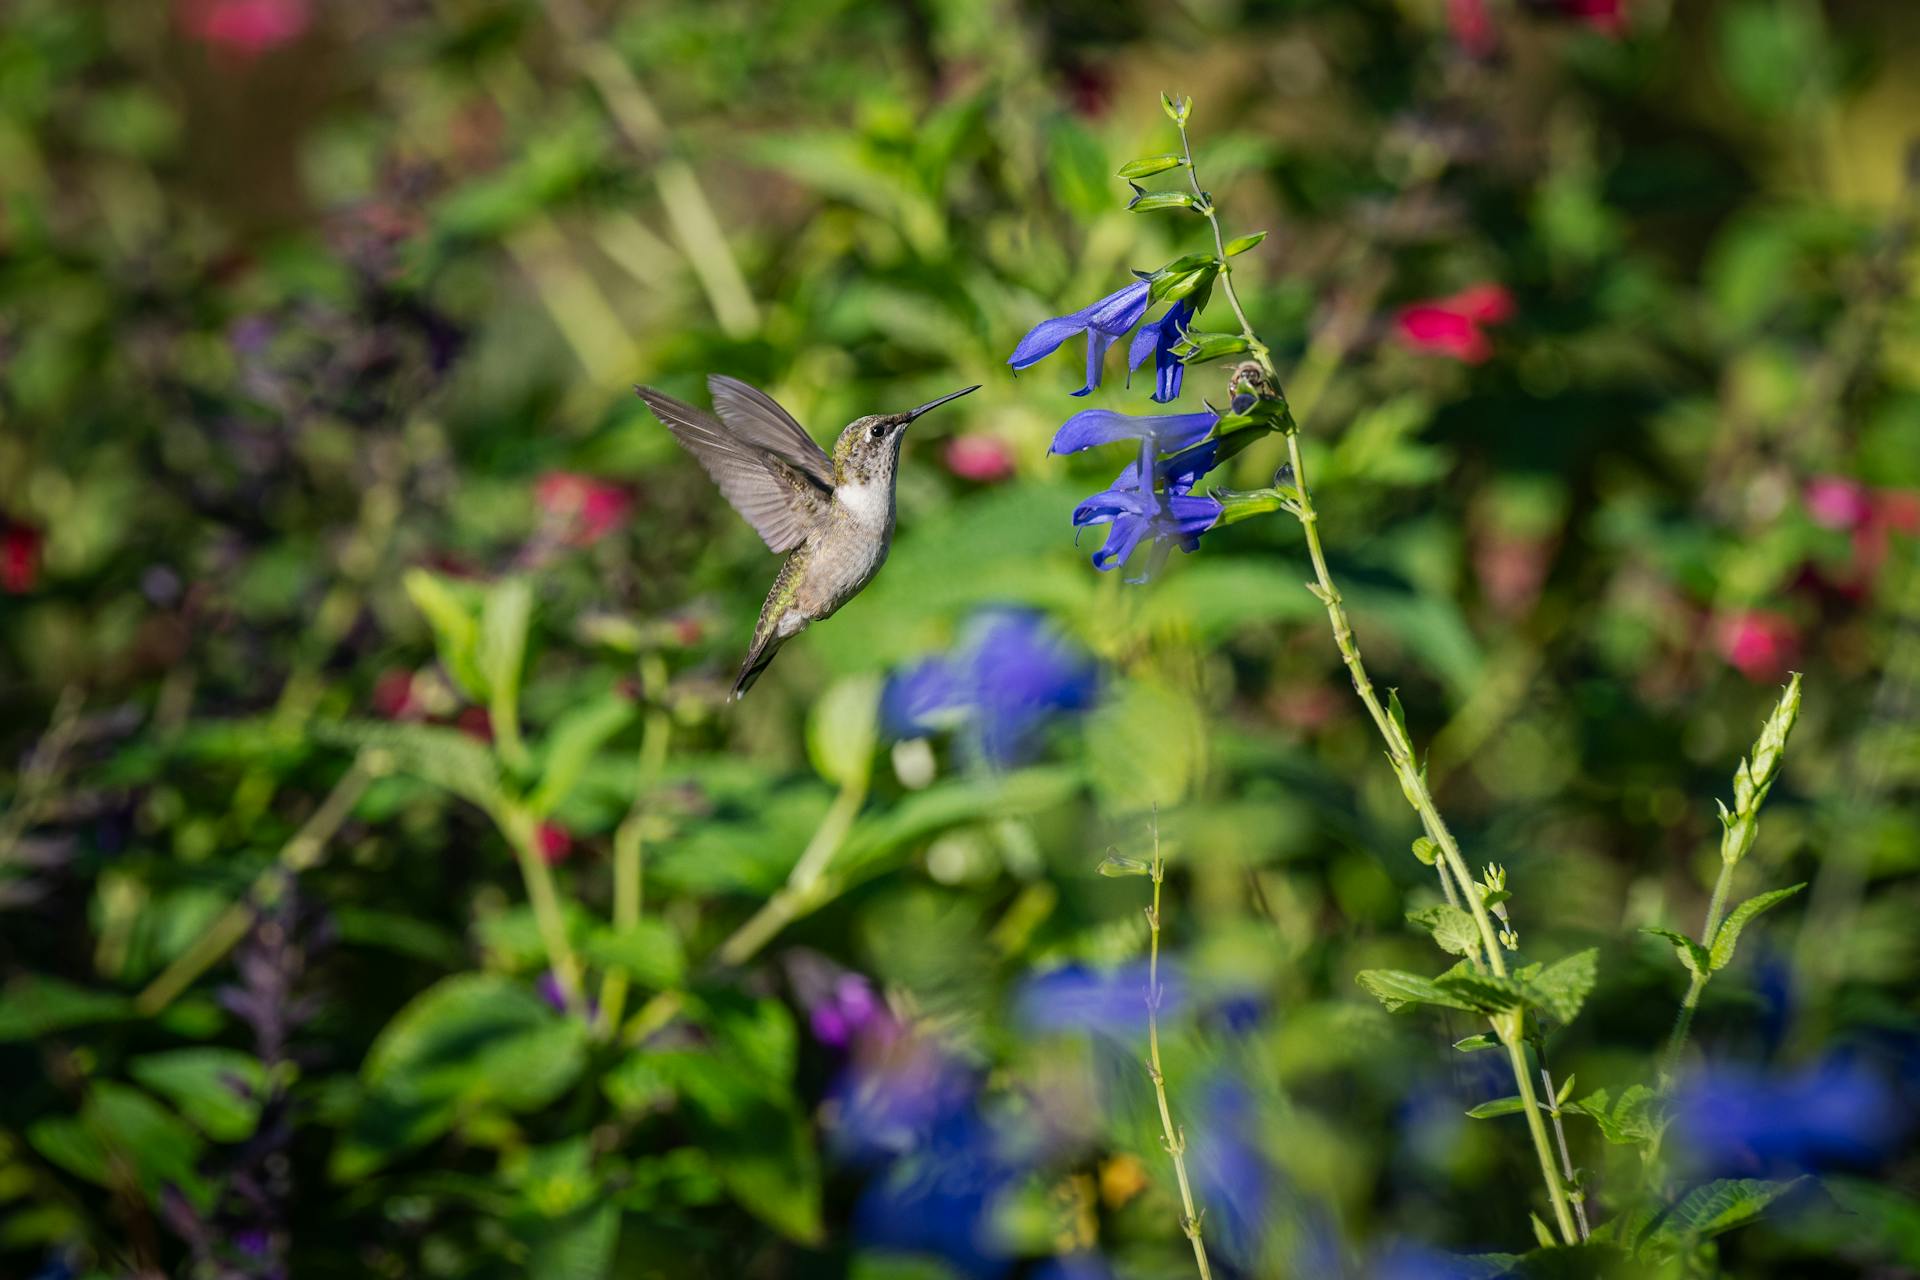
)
(911, 414)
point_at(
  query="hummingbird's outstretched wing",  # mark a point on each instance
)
(757, 418)
(780, 500)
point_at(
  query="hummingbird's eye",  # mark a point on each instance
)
(876, 431)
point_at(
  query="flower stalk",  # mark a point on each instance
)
(1412, 774)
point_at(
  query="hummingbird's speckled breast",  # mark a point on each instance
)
(847, 548)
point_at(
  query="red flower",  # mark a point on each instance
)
(1454, 326)
(1898, 510)
(1607, 16)
(19, 558)
(982, 459)
(555, 843)
(590, 509)
(1473, 27)
(247, 28)
(393, 694)
(1761, 645)
(475, 722)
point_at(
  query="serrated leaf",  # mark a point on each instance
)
(1396, 989)
(1692, 954)
(1452, 928)
(1497, 1107)
(1717, 1207)
(571, 745)
(1488, 993)
(1240, 244)
(1147, 166)
(1564, 984)
(1728, 935)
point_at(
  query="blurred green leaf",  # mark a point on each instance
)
(1452, 928)
(219, 1090)
(1563, 986)
(34, 1005)
(843, 729)
(1398, 989)
(456, 628)
(649, 950)
(1497, 1107)
(445, 758)
(1714, 1208)
(572, 743)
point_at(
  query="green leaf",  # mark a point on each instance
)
(1473, 1044)
(468, 1041)
(1147, 166)
(1563, 985)
(650, 951)
(444, 758)
(1115, 865)
(456, 631)
(576, 1246)
(1497, 1107)
(1719, 1206)
(1149, 201)
(1396, 989)
(1452, 928)
(1426, 850)
(32, 1006)
(1737, 919)
(1691, 953)
(571, 745)
(1630, 1121)
(120, 1123)
(505, 618)
(1240, 244)
(1488, 993)
(220, 1090)
(1541, 1232)
(843, 730)
(1176, 107)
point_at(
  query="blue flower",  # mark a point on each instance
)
(1010, 673)
(1152, 500)
(1158, 337)
(1231, 1175)
(1105, 321)
(1112, 1003)
(1839, 1111)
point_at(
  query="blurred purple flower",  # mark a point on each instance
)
(1010, 673)
(850, 1012)
(1111, 1003)
(1403, 1261)
(1105, 321)
(548, 985)
(1232, 1178)
(1839, 1111)
(895, 1094)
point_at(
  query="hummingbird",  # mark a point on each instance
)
(831, 516)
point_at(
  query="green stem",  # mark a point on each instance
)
(804, 890)
(1683, 1021)
(628, 860)
(1399, 749)
(1173, 1137)
(1560, 1141)
(523, 834)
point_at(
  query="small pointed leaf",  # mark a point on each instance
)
(1147, 166)
(1240, 244)
(1738, 919)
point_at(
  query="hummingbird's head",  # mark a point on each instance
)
(869, 448)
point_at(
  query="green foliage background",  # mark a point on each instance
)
(290, 339)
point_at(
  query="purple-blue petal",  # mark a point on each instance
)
(1044, 339)
(1117, 313)
(1170, 432)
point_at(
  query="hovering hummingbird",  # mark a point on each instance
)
(831, 516)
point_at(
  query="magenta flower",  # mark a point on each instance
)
(1759, 644)
(1455, 326)
(587, 509)
(979, 458)
(246, 28)
(1838, 503)
(19, 558)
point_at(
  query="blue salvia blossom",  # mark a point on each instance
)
(1008, 676)
(1157, 338)
(1104, 322)
(1152, 500)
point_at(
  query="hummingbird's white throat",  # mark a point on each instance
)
(868, 503)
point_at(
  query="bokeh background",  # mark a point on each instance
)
(317, 327)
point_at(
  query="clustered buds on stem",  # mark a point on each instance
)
(1754, 778)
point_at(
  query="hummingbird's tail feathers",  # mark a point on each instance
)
(759, 658)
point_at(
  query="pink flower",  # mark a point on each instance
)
(1454, 326)
(1606, 16)
(1473, 27)
(20, 558)
(589, 509)
(981, 459)
(1759, 644)
(393, 695)
(246, 28)
(475, 722)
(555, 843)
(1838, 503)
